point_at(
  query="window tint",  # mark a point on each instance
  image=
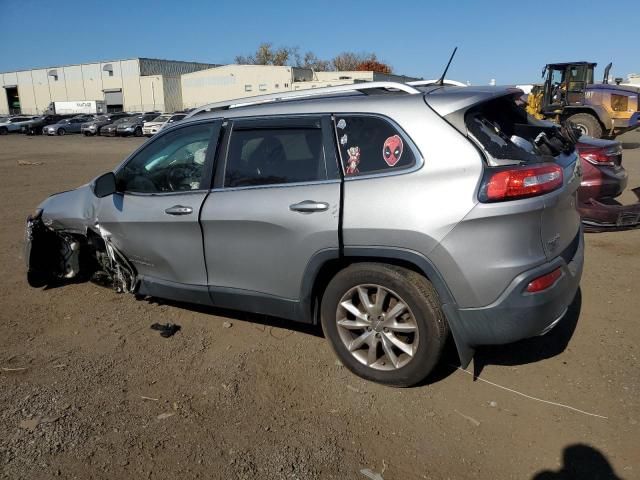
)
(371, 145)
(173, 162)
(268, 156)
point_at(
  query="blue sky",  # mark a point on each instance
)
(508, 41)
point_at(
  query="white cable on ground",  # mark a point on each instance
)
(532, 398)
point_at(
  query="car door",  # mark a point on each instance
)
(75, 125)
(275, 206)
(153, 218)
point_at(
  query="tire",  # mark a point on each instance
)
(422, 328)
(587, 123)
(137, 132)
(61, 131)
(86, 134)
(4, 131)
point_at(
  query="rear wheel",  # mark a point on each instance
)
(4, 131)
(138, 132)
(384, 323)
(587, 124)
(61, 131)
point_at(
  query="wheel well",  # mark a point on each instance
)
(568, 113)
(330, 268)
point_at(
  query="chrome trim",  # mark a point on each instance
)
(275, 185)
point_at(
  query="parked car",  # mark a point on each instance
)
(110, 130)
(67, 125)
(152, 127)
(93, 126)
(133, 124)
(603, 179)
(35, 126)
(15, 124)
(391, 219)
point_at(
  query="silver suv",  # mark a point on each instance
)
(391, 214)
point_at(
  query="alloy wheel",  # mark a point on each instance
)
(377, 327)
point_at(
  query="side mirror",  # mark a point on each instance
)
(104, 185)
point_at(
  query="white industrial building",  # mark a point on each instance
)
(145, 84)
(138, 84)
(236, 81)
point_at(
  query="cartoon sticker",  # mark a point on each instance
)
(342, 124)
(343, 139)
(354, 160)
(392, 150)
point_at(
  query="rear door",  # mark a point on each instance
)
(276, 204)
(153, 218)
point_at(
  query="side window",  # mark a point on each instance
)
(371, 145)
(267, 156)
(171, 163)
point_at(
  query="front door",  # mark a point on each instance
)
(153, 219)
(275, 205)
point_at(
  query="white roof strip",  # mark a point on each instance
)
(310, 93)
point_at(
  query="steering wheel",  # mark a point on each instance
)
(179, 178)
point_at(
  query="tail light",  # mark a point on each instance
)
(601, 155)
(520, 182)
(545, 281)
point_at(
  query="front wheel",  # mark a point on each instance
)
(384, 322)
(61, 131)
(587, 124)
(4, 131)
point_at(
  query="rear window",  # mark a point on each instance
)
(493, 124)
(268, 156)
(371, 144)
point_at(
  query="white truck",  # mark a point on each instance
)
(77, 107)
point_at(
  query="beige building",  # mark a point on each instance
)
(237, 81)
(139, 84)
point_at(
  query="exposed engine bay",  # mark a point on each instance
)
(57, 256)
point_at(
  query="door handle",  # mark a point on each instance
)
(179, 210)
(309, 206)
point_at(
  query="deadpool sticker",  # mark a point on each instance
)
(392, 150)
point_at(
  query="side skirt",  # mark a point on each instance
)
(230, 298)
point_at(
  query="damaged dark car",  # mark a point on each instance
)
(603, 180)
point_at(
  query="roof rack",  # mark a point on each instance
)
(306, 94)
(426, 83)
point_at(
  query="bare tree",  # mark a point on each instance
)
(360, 61)
(311, 60)
(268, 55)
(346, 61)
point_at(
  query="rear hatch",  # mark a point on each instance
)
(495, 120)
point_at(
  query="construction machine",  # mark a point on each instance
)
(599, 110)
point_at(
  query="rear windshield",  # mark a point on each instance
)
(495, 125)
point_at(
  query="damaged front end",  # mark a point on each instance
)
(55, 255)
(612, 216)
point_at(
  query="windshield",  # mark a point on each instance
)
(101, 118)
(121, 120)
(161, 118)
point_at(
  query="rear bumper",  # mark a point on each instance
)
(621, 125)
(598, 217)
(517, 315)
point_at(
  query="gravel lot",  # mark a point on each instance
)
(87, 390)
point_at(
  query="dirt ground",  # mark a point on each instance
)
(87, 390)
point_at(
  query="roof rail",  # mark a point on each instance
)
(425, 83)
(305, 94)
